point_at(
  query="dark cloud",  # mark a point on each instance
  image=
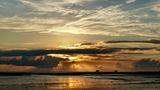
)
(88, 44)
(66, 51)
(43, 62)
(149, 41)
(60, 51)
(147, 64)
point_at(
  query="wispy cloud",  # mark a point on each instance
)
(115, 21)
(28, 24)
(157, 7)
(85, 17)
(130, 1)
(1, 6)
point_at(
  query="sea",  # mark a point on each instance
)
(81, 82)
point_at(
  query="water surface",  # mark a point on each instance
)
(88, 82)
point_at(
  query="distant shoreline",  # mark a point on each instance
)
(76, 73)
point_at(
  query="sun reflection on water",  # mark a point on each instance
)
(73, 83)
(78, 83)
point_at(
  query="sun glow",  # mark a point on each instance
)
(72, 30)
(64, 56)
(74, 46)
(71, 58)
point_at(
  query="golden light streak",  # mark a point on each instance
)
(69, 29)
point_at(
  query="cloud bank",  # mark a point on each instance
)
(147, 64)
(42, 62)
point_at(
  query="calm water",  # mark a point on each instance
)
(90, 82)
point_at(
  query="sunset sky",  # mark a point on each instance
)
(79, 35)
(36, 24)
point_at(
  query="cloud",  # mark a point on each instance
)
(1, 6)
(27, 24)
(31, 43)
(68, 51)
(101, 21)
(43, 62)
(149, 41)
(60, 51)
(147, 64)
(156, 7)
(86, 44)
(76, 1)
(106, 17)
(130, 1)
(53, 6)
(115, 21)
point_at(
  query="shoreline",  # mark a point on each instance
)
(76, 73)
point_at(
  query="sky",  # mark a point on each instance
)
(79, 35)
(35, 24)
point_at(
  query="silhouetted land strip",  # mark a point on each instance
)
(77, 73)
